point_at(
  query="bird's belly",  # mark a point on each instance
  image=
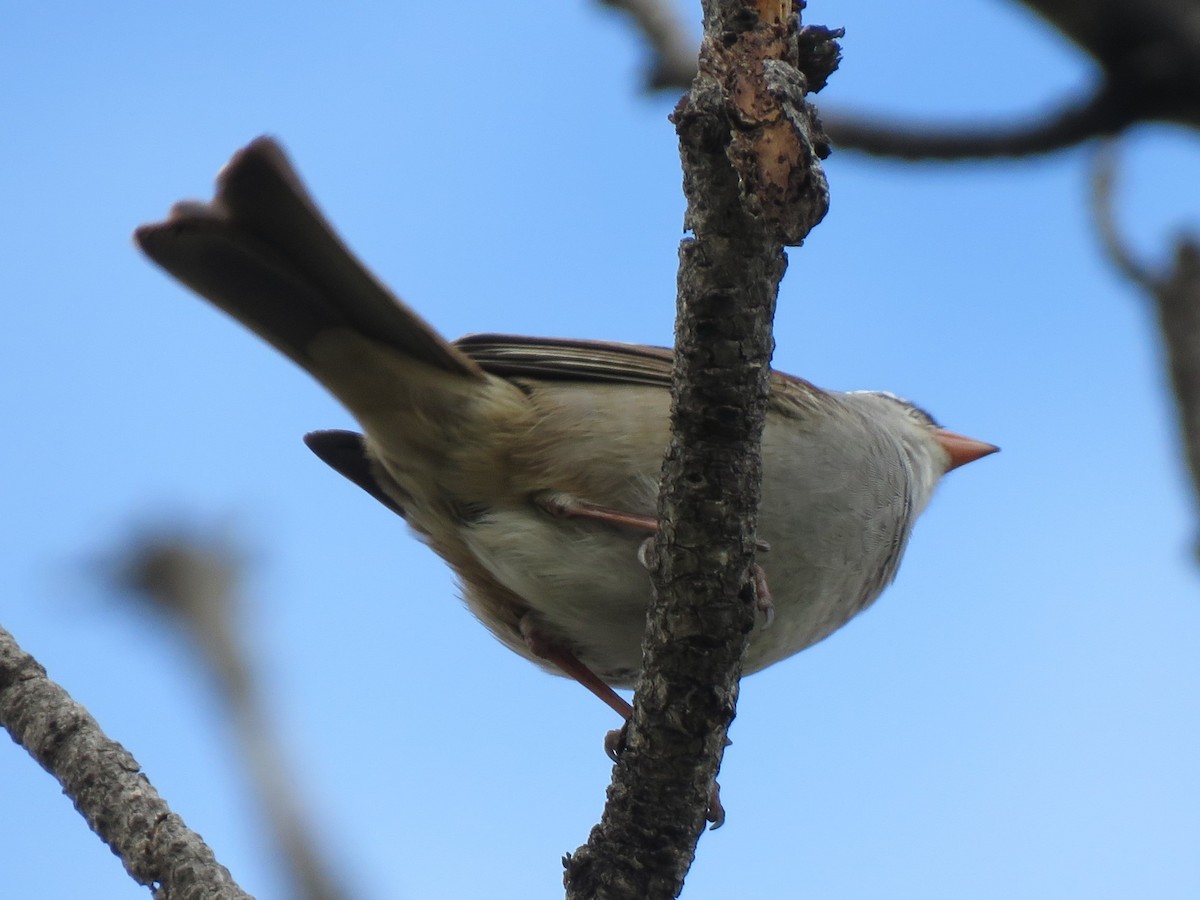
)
(581, 580)
(585, 586)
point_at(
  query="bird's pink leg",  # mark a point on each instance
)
(546, 649)
(566, 506)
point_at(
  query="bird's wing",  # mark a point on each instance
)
(515, 356)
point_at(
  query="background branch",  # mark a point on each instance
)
(1176, 296)
(196, 582)
(1095, 117)
(672, 44)
(1148, 56)
(106, 784)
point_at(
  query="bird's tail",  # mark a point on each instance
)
(263, 253)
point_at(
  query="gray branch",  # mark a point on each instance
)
(196, 581)
(106, 785)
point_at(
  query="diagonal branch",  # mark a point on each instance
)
(195, 581)
(672, 45)
(106, 784)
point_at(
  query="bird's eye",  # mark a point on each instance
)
(922, 416)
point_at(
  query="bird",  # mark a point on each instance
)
(531, 465)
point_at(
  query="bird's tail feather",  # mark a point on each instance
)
(262, 252)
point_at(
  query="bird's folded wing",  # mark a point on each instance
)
(515, 356)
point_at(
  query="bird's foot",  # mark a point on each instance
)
(762, 596)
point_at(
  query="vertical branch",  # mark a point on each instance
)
(1176, 296)
(1177, 301)
(749, 144)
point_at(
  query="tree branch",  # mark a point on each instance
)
(1148, 54)
(1148, 49)
(1176, 296)
(106, 785)
(195, 581)
(1097, 116)
(671, 42)
(749, 145)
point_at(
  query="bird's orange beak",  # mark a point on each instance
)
(962, 449)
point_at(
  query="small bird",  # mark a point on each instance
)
(531, 465)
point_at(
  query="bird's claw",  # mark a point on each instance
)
(646, 554)
(715, 812)
(614, 741)
(763, 602)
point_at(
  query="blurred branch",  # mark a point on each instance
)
(671, 41)
(1176, 296)
(196, 582)
(749, 145)
(1149, 50)
(1095, 117)
(1148, 56)
(106, 785)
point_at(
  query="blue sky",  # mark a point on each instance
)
(1016, 717)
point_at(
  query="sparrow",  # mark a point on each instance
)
(531, 465)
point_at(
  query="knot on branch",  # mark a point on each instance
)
(749, 101)
(818, 54)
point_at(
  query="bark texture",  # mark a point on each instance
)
(106, 785)
(750, 145)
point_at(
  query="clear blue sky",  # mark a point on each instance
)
(1016, 718)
